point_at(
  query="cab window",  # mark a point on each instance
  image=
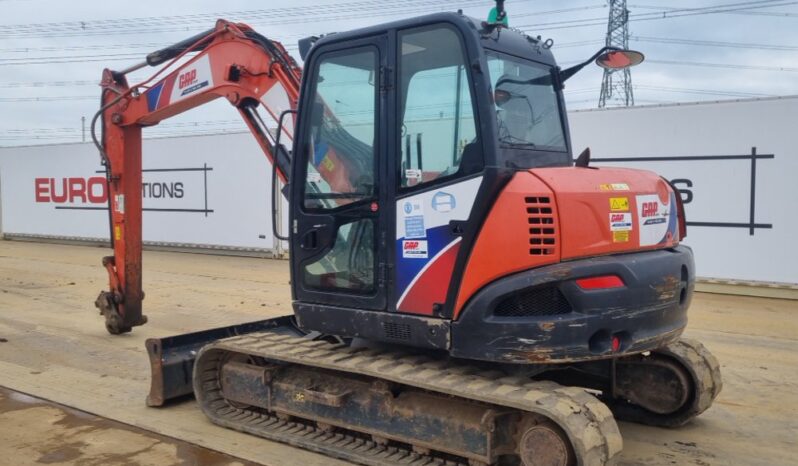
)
(438, 130)
(341, 158)
(527, 110)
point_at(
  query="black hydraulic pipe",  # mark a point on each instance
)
(167, 53)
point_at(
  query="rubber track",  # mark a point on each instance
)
(588, 423)
(705, 371)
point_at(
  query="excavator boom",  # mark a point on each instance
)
(230, 61)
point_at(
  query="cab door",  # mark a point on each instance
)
(337, 214)
(439, 165)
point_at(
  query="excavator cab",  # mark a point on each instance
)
(406, 136)
(400, 112)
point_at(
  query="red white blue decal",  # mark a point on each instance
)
(429, 284)
(189, 80)
(426, 247)
(656, 220)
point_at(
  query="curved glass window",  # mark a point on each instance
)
(526, 104)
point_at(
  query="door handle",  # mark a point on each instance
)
(310, 240)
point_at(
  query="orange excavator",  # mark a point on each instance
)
(463, 291)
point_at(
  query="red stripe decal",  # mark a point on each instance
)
(432, 285)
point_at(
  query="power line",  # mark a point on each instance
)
(561, 10)
(710, 43)
(356, 10)
(18, 84)
(678, 41)
(660, 15)
(679, 90)
(145, 135)
(85, 25)
(50, 99)
(152, 46)
(192, 18)
(185, 124)
(86, 58)
(716, 92)
(725, 65)
(743, 12)
(72, 60)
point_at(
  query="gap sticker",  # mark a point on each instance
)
(192, 78)
(619, 204)
(652, 218)
(621, 221)
(414, 249)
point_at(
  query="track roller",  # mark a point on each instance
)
(668, 387)
(544, 444)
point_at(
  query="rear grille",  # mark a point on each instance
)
(396, 331)
(544, 301)
(542, 237)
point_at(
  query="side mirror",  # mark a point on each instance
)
(611, 58)
(619, 59)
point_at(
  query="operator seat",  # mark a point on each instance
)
(472, 160)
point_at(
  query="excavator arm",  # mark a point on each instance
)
(230, 61)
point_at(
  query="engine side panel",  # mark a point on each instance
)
(611, 210)
(505, 243)
(548, 215)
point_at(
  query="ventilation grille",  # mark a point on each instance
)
(542, 238)
(544, 301)
(396, 331)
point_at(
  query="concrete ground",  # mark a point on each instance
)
(53, 346)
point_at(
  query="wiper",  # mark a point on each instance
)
(335, 195)
(516, 141)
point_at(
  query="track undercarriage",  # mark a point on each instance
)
(381, 406)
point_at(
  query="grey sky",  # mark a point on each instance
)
(41, 60)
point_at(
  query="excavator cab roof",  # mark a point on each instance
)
(498, 61)
(503, 39)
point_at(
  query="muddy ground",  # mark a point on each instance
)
(68, 436)
(53, 346)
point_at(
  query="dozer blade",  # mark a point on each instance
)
(172, 358)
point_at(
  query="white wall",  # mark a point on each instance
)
(225, 182)
(238, 184)
(721, 189)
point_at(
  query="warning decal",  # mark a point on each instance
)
(619, 204)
